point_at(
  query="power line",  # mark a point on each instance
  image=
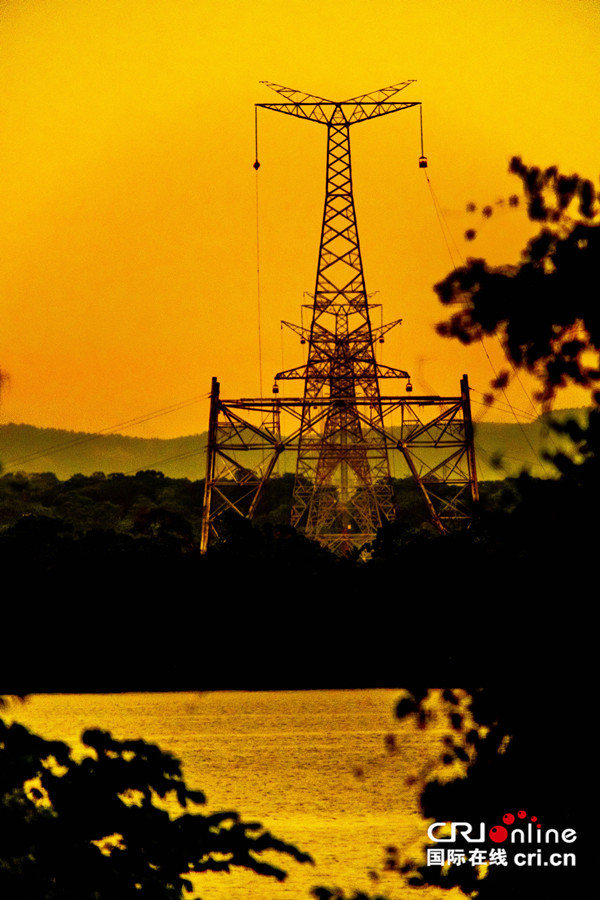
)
(444, 227)
(168, 459)
(87, 438)
(256, 168)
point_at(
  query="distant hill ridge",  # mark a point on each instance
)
(27, 448)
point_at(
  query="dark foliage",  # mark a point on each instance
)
(545, 309)
(537, 553)
(135, 606)
(523, 760)
(118, 823)
(128, 504)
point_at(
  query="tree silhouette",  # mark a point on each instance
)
(118, 823)
(519, 761)
(519, 757)
(544, 309)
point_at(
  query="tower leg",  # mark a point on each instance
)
(469, 436)
(210, 464)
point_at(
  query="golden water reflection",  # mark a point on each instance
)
(333, 772)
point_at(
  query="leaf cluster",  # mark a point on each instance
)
(544, 309)
(119, 823)
(520, 761)
(145, 504)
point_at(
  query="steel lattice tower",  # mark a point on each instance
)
(340, 428)
(342, 484)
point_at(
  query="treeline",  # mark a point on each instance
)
(145, 504)
(118, 519)
(107, 579)
(168, 511)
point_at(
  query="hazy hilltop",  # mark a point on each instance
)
(25, 448)
(502, 450)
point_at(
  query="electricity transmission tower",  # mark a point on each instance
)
(340, 437)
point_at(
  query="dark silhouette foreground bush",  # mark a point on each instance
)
(521, 759)
(119, 823)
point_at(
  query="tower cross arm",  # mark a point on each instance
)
(297, 373)
(381, 94)
(358, 112)
(315, 112)
(378, 332)
(346, 113)
(390, 372)
(317, 333)
(293, 95)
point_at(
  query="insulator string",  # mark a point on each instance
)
(256, 162)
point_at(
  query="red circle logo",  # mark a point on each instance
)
(498, 833)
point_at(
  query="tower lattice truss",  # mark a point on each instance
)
(344, 438)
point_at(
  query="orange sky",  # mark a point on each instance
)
(128, 264)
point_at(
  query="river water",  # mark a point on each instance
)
(331, 771)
